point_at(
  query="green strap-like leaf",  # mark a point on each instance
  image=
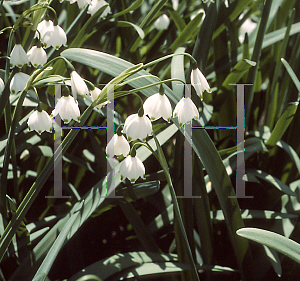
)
(132, 7)
(273, 240)
(283, 123)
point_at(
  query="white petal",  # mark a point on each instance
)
(18, 57)
(18, 82)
(43, 27)
(162, 22)
(55, 37)
(78, 85)
(199, 82)
(118, 145)
(1, 85)
(185, 110)
(40, 122)
(96, 5)
(68, 109)
(132, 168)
(37, 56)
(136, 127)
(157, 106)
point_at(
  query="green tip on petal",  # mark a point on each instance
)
(180, 124)
(152, 118)
(122, 178)
(129, 138)
(132, 180)
(66, 120)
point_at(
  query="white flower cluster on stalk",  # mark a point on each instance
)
(94, 6)
(138, 125)
(136, 128)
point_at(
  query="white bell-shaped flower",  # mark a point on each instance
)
(1, 85)
(37, 56)
(94, 95)
(67, 108)
(96, 5)
(55, 36)
(137, 126)
(18, 57)
(118, 145)
(18, 82)
(199, 82)
(158, 105)
(40, 121)
(43, 27)
(185, 110)
(81, 3)
(162, 22)
(78, 85)
(132, 168)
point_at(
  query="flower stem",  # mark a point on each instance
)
(169, 56)
(162, 160)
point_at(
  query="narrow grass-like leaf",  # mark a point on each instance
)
(273, 240)
(177, 71)
(178, 20)
(139, 264)
(187, 32)
(221, 183)
(283, 123)
(130, 24)
(256, 57)
(238, 72)
(274, 181)
(292, 74)
(274, 259)
(139, 227)
(132, 7)
(57, 245)
(255, 214)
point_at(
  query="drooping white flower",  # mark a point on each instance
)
(199, 82)
(137, 127)
(175, 4)
(1, 85)
(132, 168)
(118, 145)
(18, 82)
(94, 95)
(40, 121)
(43, 27)
(18, 57)
(81, 3)
(55, 36)
(247, 27)
(162, 22)
(158, 105)
(37, 56)
(67, 108)
(78, 85)
(96, 5)
(185, 110)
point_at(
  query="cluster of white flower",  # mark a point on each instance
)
(139, 126)
(94, 6)
(136, 126)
